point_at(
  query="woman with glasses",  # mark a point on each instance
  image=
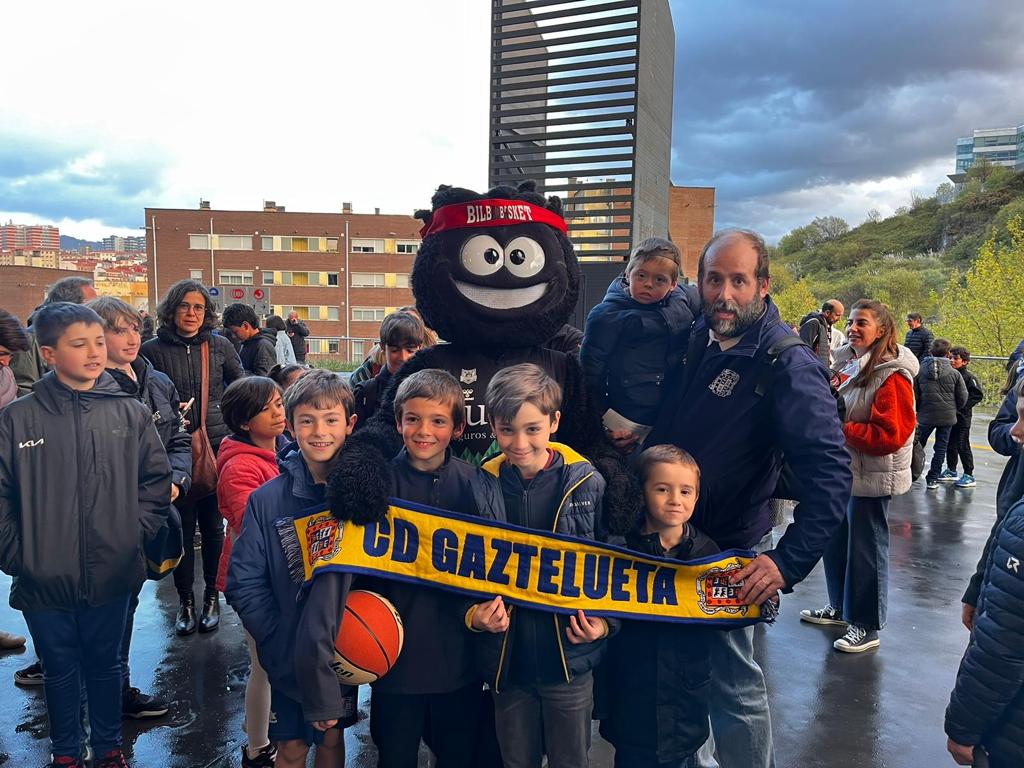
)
(186, 318)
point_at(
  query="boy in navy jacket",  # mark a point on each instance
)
(543, 686)
(318, 409)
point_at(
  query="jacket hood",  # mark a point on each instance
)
(231, 447)
(169, 335)
(618, 295)
(137, 386)
(55, 396)
(933, 367)
(269, 334)
(905, 360)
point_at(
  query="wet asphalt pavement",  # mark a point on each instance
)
(878, 709)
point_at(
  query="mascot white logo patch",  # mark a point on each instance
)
(724, 383)
(468, 376)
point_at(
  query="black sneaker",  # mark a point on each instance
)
(265, 758)
(30, 675)
(826, 615)
(857, 640)
(113, 759)
(138, 706)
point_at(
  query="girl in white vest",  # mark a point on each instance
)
(875, 377)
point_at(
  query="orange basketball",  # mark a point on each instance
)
(369, 640)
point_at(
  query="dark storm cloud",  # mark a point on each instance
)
(55, 181)
(773, 97)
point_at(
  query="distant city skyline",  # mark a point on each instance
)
(789, 111)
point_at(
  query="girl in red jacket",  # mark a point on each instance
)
(254, 412)
(874, 376)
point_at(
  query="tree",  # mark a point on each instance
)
(873, 216)
(830, 227)
(945, 192)
(981, 310)
(795, 300)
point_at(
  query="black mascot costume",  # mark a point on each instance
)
(497, 278)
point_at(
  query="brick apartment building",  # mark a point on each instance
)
(23, 288)
(31, 236)
(342, 272)
(691, 222)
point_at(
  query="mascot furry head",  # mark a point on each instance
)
(495, 269)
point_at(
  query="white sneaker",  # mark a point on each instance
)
(857, 640)
(826, 615)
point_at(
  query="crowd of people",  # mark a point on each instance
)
(719, 406)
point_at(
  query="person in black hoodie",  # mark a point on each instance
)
(259, 346)
(122, 325)
(187, 318)
(960, 437)
(73, 546)
(940, 393)
(657, 673)
(919, 338)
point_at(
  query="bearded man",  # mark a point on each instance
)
(738, 406)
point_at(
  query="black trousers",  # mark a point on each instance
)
(211, 526)
(960, 446)
(447, 722)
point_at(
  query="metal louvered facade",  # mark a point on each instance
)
(581, 102)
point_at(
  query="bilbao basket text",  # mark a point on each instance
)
(548, 571)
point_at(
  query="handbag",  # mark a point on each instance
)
(164, 551)
(204, 460)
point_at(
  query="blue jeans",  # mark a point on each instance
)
(81, 646)
(856, 563)
(741, 725)
(555, 718)
(941, 444)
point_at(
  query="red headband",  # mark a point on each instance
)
(491, 213)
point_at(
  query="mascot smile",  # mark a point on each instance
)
(496, 278)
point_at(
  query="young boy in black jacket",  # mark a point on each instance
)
(434, 691)
(401, 336)
(72, 545)
(960, 437)
(658, 673)
(259, 346)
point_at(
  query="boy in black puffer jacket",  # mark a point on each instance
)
(637, 334)
(658, 673)
(259, 347)
(940, 393)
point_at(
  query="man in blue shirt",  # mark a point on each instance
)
(737, 414)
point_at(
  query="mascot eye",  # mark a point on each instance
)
(525, 257)
(481, 255)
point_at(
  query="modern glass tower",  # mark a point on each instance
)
(581, 102)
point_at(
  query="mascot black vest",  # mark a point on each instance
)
(473, 368)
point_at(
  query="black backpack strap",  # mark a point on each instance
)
(774, 352)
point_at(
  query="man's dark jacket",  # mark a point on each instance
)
(157, 392)
(940, 392)
(297, 333)
(658, 674)
(987, 703)
(629, 347)
(975, 394)
(178, 357)
(738, 436)
(259, 354)
(83, 479)
(919, 341)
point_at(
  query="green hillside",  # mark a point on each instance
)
(958, 259)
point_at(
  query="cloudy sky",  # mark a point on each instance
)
(791, 109)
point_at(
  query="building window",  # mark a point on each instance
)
(199, 242)
(367, 246)
(196, 274)
(368, 314)
(408, 247)
(367, 280)
(308, 312)
(402, 280)
(299, 244)
(232, 242)
(323, 346)
(332, 245)
(267, 243)
(332, 278)
(268, 278)
(305, 279)
(235, 277)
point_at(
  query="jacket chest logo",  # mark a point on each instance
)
(724, 383)
(32, 443)
(468, 376)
